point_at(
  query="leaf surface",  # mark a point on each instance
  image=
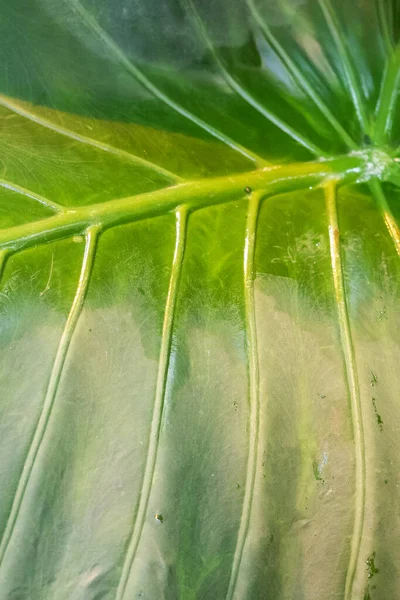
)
(199, 330)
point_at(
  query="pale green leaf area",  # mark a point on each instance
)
(199, 300)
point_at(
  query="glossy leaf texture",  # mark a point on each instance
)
(199, 299)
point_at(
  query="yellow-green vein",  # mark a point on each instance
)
(196, 194)
(17, 108)
(41, 427)
(3, 259)
(353, 384)
(166, 340)
(387, 214)
(253, 386)
(9, 185)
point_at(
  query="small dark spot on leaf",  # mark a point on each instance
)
(374, 379)
(159, 518)
(90, 330)
(247, 189)
(378, 416)
(322, 396)
(238, 486)
(316, 472)
(141, 290)
(366, 140)
(386, 480)
(371, 568)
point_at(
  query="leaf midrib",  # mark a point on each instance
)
(194, 194)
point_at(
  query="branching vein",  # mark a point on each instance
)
(352, 82)
(41, 427)
(254, 392)
(384, 25)
(195, 194)
(387, 214)
(387, 100)
(353, 385)
(245, 94)
(83, 139)
(133, 70)
(298, 76)
(165, 351)
(3, 259)
(29, 194)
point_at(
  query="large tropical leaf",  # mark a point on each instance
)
(199, 302)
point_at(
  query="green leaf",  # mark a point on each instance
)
(199, 325)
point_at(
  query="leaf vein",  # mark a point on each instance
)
(387, 100)
(387, 214)
(196, 194)
(299, 77)
(29, 194)
(133, 70)
(4, 254)
(166, 341)
(55, 376)
(83, 139)
(352, 381)
(254, 391)
(352, 82)
(245, 94)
